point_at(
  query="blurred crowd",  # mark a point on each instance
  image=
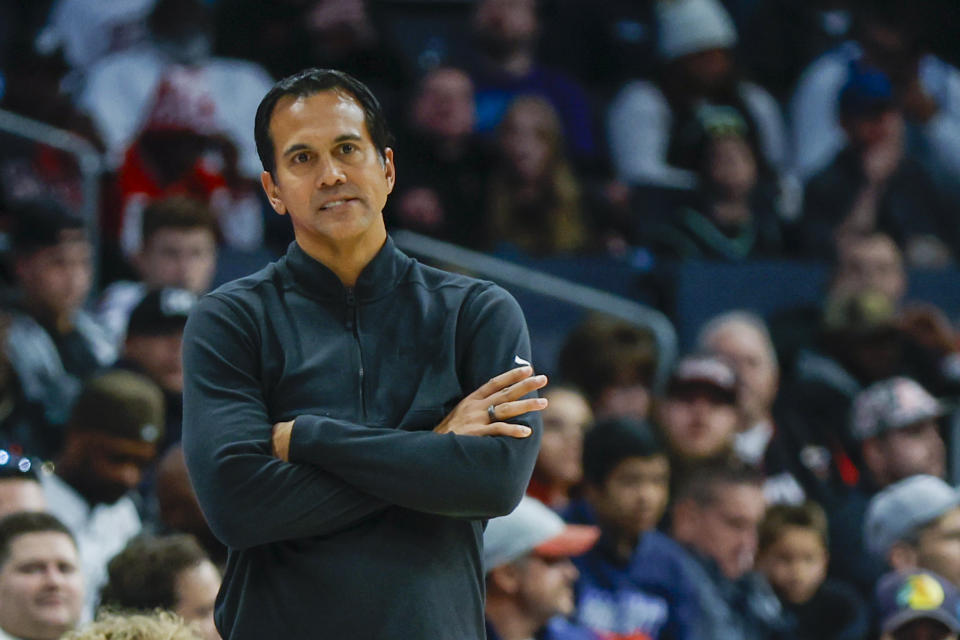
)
(795, 476)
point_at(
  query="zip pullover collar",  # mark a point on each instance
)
(378, 278)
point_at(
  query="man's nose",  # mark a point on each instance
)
(329, 173)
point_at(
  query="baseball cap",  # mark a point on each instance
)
(898, 510)
(704, 370)
(916, 595)
(861, 313)
(866, 92)
(891, 404)
(161, 312)
(122, 404)
(533, 528)
(692, 26)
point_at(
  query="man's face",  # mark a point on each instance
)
(698, 421)
(159, 357)
(546, 586)
(41, 586)
(757, 372)
(506, 26)
(938, 546)
(184, 258)
(706, 71)
(909, 451)
(727, 528)
(21, 495)
(57, 279)
(561, 448)
(870, 264)
(795, 564)
(329, 176)
(634, 495)
(115, 465)
(445, 105)
(196, 589)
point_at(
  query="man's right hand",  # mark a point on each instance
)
(505, 394)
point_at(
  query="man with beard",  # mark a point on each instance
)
(111, 438)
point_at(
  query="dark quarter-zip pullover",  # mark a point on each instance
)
(373, 530)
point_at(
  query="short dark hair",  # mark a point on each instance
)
(808, 515)
(177, 212)
(143, 576)
(40, 223)
(604, 351)
(23, 522)
(612, 441)
(307, 83)
(704, 482)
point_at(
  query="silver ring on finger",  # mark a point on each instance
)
(492, 413)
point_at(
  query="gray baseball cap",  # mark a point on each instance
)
(901, 508)
(533, 528)
(891, 404)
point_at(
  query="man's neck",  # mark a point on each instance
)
(58, 323)
(348, 259)
(509, 621)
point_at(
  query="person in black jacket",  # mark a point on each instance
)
(345, 408)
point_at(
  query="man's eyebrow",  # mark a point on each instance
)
(295, 147)
(348, 137)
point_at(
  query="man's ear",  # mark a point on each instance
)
(273, 192)
(506, 578)
(389, 168)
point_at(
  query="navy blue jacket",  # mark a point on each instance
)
(374, 528)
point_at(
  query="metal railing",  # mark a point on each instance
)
(513, 275)
(89, 162)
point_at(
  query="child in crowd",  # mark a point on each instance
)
(793, 556)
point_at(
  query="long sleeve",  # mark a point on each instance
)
(451, 475)
(248, 496)
(638, 132)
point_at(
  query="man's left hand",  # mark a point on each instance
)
(280, 440)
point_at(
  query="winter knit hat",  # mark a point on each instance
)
(692, 26)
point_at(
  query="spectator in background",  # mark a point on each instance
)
(504, 66)
(161, 625)
(741, 338)
(41, 585)
(654, 125)
(731, 219)
(152, 348)
(559, 467)
(88, 30)
(918, 605)
(111, 439)
(715, 516)
(20, 488)
(181, 150)
(872, 185)
(792, 554)
(613, 362)
(915, 524)
(121, 87)
(698, 414)
(445, 163)
(526, 556)
(177, 508)
(534, 200)
(926, 90)
(166, 572)
(52, 343)
(179, 249)
(287, 36)
(895, 423)
(860, 264)
(631, 584)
